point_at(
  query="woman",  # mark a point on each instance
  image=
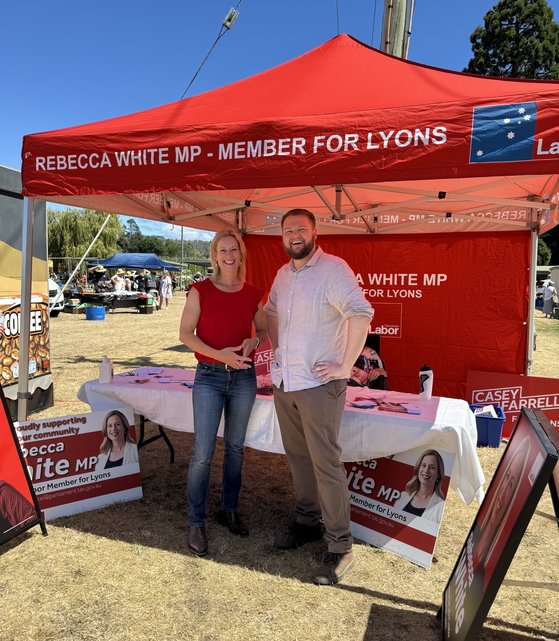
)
(423, 495)
(117, 447)
(217, 323)
(165, 290)
(118, 281)
(549, 292)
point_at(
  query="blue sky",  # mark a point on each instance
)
(64, 64)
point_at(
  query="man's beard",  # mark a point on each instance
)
(301, 251)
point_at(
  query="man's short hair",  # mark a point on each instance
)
(300, 212)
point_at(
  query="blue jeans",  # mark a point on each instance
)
(218, 392)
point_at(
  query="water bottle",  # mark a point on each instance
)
(106, 370)
(425, 383)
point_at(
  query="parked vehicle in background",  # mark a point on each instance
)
(56, 298)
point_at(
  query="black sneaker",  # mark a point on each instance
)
(334, 567)
(298, 534)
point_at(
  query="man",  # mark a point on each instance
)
(318, 320)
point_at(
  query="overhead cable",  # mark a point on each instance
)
(225, 27)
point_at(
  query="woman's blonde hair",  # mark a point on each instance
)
(413, 484)
(107, 444)
(220, 235)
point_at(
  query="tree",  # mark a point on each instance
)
(519, 39)
(131, 238)
(544, 253)
(71, 231)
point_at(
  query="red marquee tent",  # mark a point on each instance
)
(373, 145)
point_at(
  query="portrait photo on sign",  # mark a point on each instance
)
(397, 502)
(118, 447)
(522, 474)
(82, 462)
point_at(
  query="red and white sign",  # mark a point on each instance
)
(438, 299)
(521, 476)
(18, 506)
(67, 467)
(513, 392)
(383, 493)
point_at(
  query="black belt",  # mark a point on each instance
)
(213, 365)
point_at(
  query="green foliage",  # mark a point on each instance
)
(133, 241)
(70, 232)
(544, 253)
(519, 39)
(551, 239)
(131, 237)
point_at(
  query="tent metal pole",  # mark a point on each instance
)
(25, 307)
(181, 278)
(85, 254)
(531, 337)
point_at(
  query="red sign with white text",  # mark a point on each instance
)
(438, 298)
(70, 463)
(512, 393)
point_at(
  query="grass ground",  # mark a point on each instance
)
(123, 573)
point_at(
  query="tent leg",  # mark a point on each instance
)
(531, 335)
(24, 332)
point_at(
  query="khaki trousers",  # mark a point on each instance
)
(310, 423)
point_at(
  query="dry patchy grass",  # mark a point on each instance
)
(123, 573)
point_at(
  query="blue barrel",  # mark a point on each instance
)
(95, 312)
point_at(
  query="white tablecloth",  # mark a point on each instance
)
(444, 423)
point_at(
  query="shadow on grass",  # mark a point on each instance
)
(128, 363)
(400, 623)
(179, 348)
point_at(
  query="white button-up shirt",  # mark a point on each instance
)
(312, 306)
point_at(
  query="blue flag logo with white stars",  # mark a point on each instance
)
(503, 133)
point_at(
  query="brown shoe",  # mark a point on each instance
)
(198, 540)
(298, 534)
(334, 567)
(233, 522)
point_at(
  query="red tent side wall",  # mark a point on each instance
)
(457, 302)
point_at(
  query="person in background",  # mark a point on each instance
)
(143, 281)
(318, 319)
(117, 447)
(368, 370)
(99, 277)
(549, 293)
(165, 290)
(118, 281)
(128, 280)
(423, 495)
(217, 323)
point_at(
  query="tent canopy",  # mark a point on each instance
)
(138, 261)
(369, 142)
